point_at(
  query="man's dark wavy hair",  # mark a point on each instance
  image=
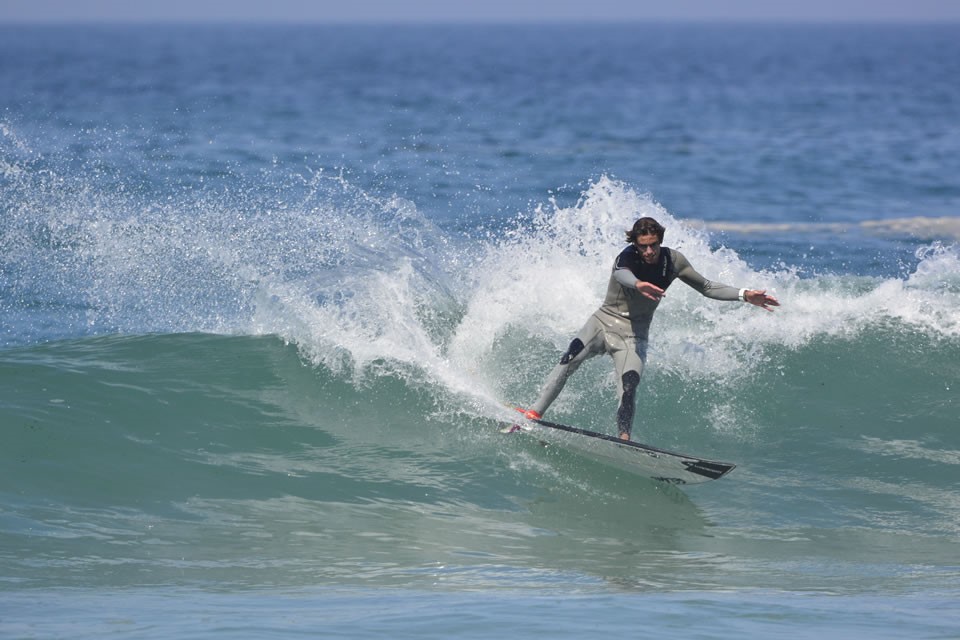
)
(646, 227)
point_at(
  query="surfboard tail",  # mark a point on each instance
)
(627, 455)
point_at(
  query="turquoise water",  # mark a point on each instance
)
(265, 291)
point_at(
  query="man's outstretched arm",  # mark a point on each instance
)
(718, 290)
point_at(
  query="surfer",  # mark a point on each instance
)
(641, 275)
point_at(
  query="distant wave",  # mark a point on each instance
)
(920, 227)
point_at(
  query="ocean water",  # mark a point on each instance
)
(264, 291)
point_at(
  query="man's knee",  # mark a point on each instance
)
(576, 346)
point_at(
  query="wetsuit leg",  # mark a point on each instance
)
(629, 356)
(588, 343)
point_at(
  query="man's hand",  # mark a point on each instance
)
(650, 290)
(761, 299)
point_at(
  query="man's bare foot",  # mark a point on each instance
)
(624, 435)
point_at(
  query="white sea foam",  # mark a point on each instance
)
(546, 277)
(416, 305)
(361, 282)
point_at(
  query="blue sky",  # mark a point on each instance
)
(478, 10)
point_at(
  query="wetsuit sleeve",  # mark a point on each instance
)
(625, 277)
(689, 275)
(624, 268)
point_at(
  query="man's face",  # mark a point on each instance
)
(649, 247)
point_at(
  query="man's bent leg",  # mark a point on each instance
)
(588, 343)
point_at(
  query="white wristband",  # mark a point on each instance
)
(743, 295)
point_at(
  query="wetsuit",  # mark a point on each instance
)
(621, 325)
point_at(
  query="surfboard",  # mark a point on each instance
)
(629, 456)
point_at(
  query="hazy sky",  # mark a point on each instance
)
(477, 10)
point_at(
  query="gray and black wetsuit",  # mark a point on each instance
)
(621, 325)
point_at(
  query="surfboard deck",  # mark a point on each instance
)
(627, 455)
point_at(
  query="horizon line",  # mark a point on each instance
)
(173, 21)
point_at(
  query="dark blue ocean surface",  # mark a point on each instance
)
(265, 289)
(755, 123)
